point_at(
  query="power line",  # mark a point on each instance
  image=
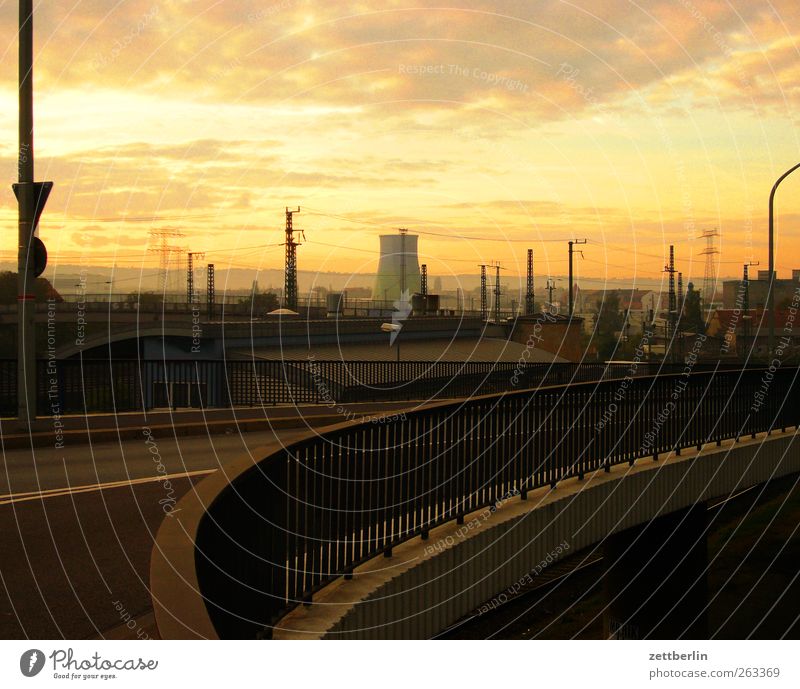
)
(661, 257)
(312, 211)
(428, 232)
(374, 251)
(114, 281)
(152, 218)
(244, 248)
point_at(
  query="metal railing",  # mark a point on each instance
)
(75, 386)
(316, 509)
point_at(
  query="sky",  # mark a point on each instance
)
(487, 127)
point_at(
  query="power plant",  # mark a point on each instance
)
(398, 267)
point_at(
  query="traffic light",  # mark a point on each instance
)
(41, 192)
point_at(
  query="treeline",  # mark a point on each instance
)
(42, 289)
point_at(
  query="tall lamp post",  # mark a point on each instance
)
(771, 293)
(31, 254)
(551, 285)
(571, 244)
(394, 335)
(746, 317)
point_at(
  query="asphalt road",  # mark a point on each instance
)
(77, 526)
(49, 468)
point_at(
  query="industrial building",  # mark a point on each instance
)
(398, 267)
(733, 290)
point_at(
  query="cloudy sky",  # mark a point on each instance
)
(489, 127)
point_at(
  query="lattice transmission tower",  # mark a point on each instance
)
(190, 291)
(672, 308)
(170, 258)
(484, 300)
(290, 277)
(211, 295)
(710, 273)
(497, 270)
(529, 302)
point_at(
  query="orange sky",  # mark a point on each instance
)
(501, 125)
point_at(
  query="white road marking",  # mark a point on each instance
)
(11, 498)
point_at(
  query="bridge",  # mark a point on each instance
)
(173, 335)
(399, 527)
(81, 386)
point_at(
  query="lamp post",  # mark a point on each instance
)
(571, 244)
(771, 292)
(31, 197)
(551, 285)
(746, 317)
(394, 337)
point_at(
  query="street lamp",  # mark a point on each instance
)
(551, 285)
(394, 330)
(771, 293)
(31, 256)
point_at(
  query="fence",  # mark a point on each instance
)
(316, 509)
(74, 386)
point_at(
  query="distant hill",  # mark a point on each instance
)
(69, 279)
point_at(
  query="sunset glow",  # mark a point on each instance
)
(636, 126)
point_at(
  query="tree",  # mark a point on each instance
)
(146, 298)
(608, 325)
(42, 289)
(692, 317)
(260, 303)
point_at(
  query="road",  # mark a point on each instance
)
(49, 468)
(77, 526)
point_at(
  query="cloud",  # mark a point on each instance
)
(228, 110)
(505, 56)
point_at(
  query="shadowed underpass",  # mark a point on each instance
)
(753, 548)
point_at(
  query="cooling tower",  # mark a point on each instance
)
(398, 268)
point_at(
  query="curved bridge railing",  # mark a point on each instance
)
(303, 516)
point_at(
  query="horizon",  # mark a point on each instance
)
(242, 279)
